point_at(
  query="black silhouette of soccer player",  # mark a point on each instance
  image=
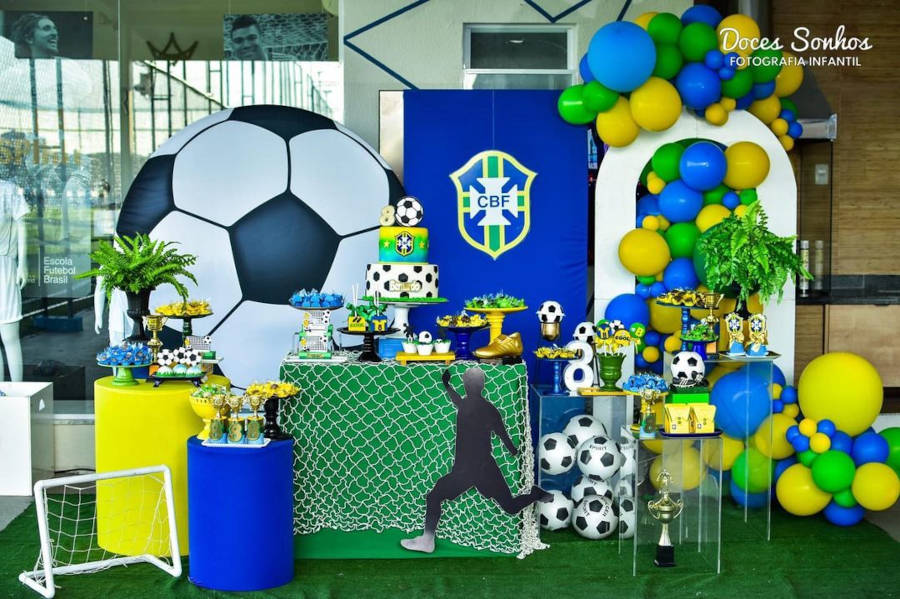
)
(473, 464)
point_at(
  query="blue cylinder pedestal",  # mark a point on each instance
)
(240, 516)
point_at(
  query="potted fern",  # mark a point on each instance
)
(740, 256)
(138, 265)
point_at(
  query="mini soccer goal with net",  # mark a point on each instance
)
(91, 522)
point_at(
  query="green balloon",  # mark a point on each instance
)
(682, 237)
(770, 67)
(752, 471)
(807, 457)
(696, 40)
(833, 471)
(649, 280)
(664, 28)
(665, 161)
(597, 97)
(748, 196)
(714, 195)
(739, 85)
(844, 498)
(668, 61)
(789, 104)
(892, 436)
(571, 106)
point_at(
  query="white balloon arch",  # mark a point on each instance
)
(615, 211)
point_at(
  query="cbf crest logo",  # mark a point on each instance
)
(494, 201)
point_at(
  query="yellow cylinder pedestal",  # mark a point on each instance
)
(495, 317)
(135, 427)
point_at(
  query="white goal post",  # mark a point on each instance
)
(66, 510)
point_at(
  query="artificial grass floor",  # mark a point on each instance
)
(807, 557)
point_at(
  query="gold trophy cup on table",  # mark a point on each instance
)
(255, 422)
(154, 324)
(217, 423)
(235, 422)
(665, 509)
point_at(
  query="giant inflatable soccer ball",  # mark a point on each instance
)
(271, 199)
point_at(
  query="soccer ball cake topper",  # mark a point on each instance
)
(550, 314)
(687, 369)
(409, 212)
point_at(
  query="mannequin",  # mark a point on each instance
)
(120, 325)
(13, 275)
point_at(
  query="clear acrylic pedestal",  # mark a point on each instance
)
(696, 533)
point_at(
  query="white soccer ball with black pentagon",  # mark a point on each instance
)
(627, 517)
(616, 325)
(425, 337)
(595, 517)
(586, 485)
(409, 212)
(585, 331)
(599, 457)
(555, 454)
(270, 199)
(164, 357)
(556, 513)
(583, 427)
(550, 312)
(687, 368)
(627, 461)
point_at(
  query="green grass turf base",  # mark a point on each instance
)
(807, 557)
(366, 544)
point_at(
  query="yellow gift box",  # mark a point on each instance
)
(703, 418)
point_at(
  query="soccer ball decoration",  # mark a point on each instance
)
(585, 332)
(165, 357)
(556, 513)
(583, 427)
(687, 369)
(625, 487)
(627, 518)
(270, 199)
(555, 454)
(599, 457)
(425, 337)
(595, 517)
(409, 212)
(550, 312)
(585, 486)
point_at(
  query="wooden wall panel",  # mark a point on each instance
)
(809, 336)
(870, 331)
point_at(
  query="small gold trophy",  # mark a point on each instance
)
(711, 302)
(235, 422)
(255, 422)
(665, 509)
(154, 324)
(647, 426)
(217, 423)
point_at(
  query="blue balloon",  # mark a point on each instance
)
(778, 375)
(714, 60)
(648, 205)
(701, 13)
(621, 56)
(870, 447)
(657, 289)
(679, 203)
(744, 102)
(732, 60)
(656, 367)
(725, 73)
(800, 444)
(640, 362)
(781, 466)
(584, 70)
(826, 427)
(742, 403)
(792, 433)
(698, 85)
(680, 274)
(638, 222)
(841, 441)
(642, 290)
(702, 165)
(629, 308)
(788, 393)
(843, 516)
(787, 114)
(731, 200)
(795, 129)
(745, 499)
(652, 338)
(763, 90)
(777, 406)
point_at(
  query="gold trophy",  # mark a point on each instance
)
(255, 422)
(235, 422)
(665, 509)
(217, 423)
(711, 302)
(154, 324)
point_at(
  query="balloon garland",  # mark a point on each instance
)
(639, 76)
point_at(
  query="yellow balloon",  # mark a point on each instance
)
(731, 449)
(663, 225)
(787, 142)
(644, 252)
(655, 105)
(798, 494)
(650, 222)
(807, 427)
(747, 165)
(791, 410)
(672, 344)
(789, 77)
(740, 211)
(711, 216)
(615, 126)
(656, 185)
(776, 447)
(650, 353)
(685, 467)
(779, 126)
(820, 443)
(716, 114)
(728, 104)
(645, 19)
(776, 390)
(738, 33)
(664, 319)
(842, 387)
(875, 486)
(754, 305)
(767, 109)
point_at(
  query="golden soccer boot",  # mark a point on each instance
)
(504, 346)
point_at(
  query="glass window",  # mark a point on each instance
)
(518, 56)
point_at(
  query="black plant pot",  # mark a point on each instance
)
(138, 307)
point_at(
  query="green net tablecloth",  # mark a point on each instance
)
(372, 439)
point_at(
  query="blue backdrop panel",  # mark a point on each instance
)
(240, 516)
(490, 142)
